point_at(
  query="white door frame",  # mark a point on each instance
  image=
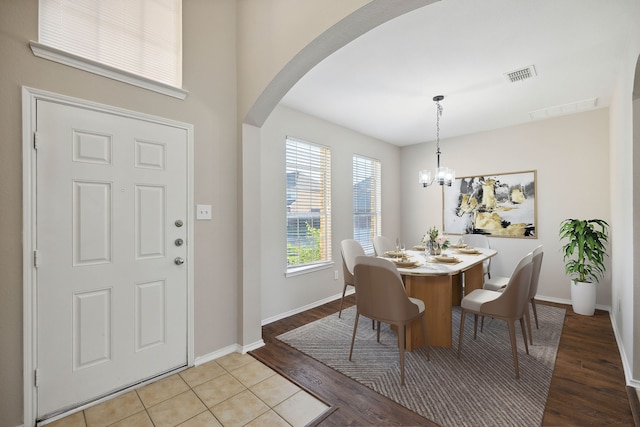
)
(29, 272)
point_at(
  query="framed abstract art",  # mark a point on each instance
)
(499, 205)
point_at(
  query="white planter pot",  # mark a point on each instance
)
(583, 297)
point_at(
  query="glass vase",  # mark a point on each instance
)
(434, 248)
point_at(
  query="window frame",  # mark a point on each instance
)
(367, 168)
(295, 160)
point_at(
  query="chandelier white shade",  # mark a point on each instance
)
(443, 175)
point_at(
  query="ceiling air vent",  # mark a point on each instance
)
(521, 74)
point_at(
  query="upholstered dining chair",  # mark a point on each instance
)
(508, 305)
(498, 283)
(479, 241)
(350, 250)
(382, 244)
(381, 296)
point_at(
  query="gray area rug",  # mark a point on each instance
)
(480, 389)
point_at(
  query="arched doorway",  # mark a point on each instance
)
(348, 29)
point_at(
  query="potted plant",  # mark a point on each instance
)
(584, 253)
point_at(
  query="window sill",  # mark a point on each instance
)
(297, 271)
(47, 52)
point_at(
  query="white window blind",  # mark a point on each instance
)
(367, 206)
(308, 169)
(143, 37)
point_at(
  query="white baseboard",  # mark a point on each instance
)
(233, 348)
(553, 299)
(628, 374)
(253, 346)
(306, 307)
(568, 302)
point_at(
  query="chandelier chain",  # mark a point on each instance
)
(443, 175)
(438, 114)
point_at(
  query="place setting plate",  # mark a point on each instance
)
(405, 263)
(459, 246)
(469, 251)
(445, 259)
(395, 254)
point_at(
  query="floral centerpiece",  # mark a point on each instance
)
(434, 241)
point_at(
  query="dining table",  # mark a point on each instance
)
(440, 282)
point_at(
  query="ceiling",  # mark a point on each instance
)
(382, 84)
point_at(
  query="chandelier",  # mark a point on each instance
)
(443, 175)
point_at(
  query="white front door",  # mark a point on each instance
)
(111, 293)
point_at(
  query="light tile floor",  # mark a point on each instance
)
(234, 390)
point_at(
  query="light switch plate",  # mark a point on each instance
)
(203, 211)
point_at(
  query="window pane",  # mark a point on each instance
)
(143, 37)
(308, 169)
(367, 215)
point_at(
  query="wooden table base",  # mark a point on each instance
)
(440, 294)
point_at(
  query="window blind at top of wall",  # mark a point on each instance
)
(143, 37)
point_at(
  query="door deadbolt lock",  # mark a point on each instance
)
(179, 223)
(179, 261)
(179, 242)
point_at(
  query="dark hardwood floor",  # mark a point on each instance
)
(587, 388)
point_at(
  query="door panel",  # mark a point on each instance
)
(111, 302)
(92, 227)
(151, 318)
(91, 328)
(150, 221)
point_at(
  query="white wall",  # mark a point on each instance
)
(622, 208)
(632, 306)
(571, 156)
(625, 196)
(280, 294)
